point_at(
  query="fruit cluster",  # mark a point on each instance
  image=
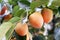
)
(36, 19)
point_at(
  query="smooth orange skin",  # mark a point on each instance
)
(47, 15)
(7, 17)
(21, 29)
(36, 20)
(3, 10)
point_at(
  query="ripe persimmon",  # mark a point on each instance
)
(47, 15)
(21, 29)
(36, 20)
(7, 17)
(4, 8)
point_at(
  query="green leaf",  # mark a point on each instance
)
(53, 7)
(59, 10)
(44, 2)
(56, 3)
(12, 2)
(38, 3)
(10, 32)
(15, 9)
(34, 4)
(55, 11)
(25, 2)
(0, 1)
(14, 19)
(4, 28)
(19, 12)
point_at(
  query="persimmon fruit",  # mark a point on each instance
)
(47, 15)
(7, 17)
(21, 29)
(36, 20)
(4, 8)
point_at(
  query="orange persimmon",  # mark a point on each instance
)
(47, 15)
(36, 20)
(21, 29)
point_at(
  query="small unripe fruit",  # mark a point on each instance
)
(36, 20)
(21, 29)
(47, 15)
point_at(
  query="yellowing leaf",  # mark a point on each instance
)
(4, 28)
